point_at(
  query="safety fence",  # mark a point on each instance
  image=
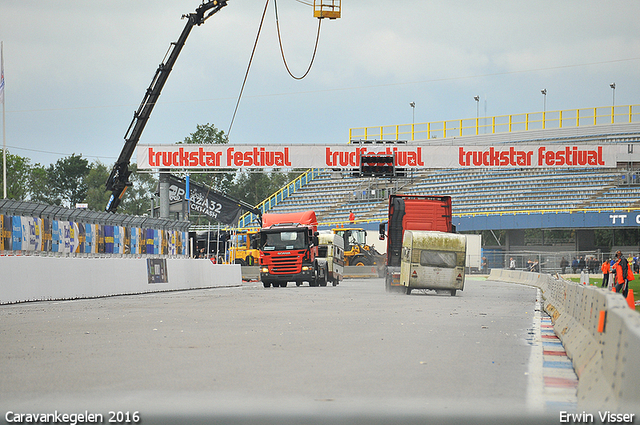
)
(500, 124)
(600, 334)
(28, 228)
(563, 262)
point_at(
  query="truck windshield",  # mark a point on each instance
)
(323, 251)
(283, 240)
(438, 259)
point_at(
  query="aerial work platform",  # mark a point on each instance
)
(327, 9)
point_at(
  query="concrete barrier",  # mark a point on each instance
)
(361, 272)
(53, 278)
(607, 363)
(250, 273)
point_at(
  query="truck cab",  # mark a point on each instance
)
(288, 250)
(411, 212)
(331, 256)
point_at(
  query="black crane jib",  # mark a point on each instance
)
(118, 180)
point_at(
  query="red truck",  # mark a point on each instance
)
(289, 250)
(411, 212)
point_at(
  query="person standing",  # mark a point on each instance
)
(352, 217)
(605, 273)
(564, 264)
(512, 264)
(622, 266)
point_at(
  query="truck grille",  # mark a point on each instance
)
(286, 264)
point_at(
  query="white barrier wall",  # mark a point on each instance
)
(607, 363)
(51, 278)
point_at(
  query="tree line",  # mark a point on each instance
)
(73, 179)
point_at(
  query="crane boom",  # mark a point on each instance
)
(118, 180)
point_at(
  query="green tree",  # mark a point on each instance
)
(18, 169)
(97, 195)
(137, 198)
(39, 188)
(255, 187)
(67, 180)
(220, 180)
(206, 134)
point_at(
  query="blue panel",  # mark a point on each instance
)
(549, 220)
(16, 234)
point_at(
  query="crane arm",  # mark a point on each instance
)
(118, 180)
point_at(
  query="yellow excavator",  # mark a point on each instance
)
(356, 250)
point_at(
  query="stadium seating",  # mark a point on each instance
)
(334, 195)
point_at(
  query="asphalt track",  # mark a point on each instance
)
(279, 355)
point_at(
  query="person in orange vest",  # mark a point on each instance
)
(622, 272)
(605, 273)
(352, 217)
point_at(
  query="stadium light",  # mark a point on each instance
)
(613, 89)
(413, 107)
(544, 102)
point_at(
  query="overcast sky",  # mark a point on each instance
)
(75, 70)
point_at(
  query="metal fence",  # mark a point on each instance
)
(551, 262)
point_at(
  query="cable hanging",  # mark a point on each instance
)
(246, 74)
(282, 50)
(255, 45)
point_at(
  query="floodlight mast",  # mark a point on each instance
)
(118, 180)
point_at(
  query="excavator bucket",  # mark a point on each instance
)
(326, 9)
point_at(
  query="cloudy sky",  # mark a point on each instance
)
(76, 70)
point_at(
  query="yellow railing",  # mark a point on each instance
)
(500, 124)
(548, 211)
(248, 218)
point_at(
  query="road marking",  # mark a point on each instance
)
(552, 383)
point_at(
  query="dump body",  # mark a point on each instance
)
(433, 260)
(288, 249)
(331, 255)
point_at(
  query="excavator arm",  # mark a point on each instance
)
(118, 180)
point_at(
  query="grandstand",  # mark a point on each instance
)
(486, 191)
(489, 192)
(333, 195)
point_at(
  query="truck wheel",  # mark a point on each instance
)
(267, 284)
(360, 260)
(298, 283)
(283, 284)
(453, 292)
(408, 291)
(322, 278)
